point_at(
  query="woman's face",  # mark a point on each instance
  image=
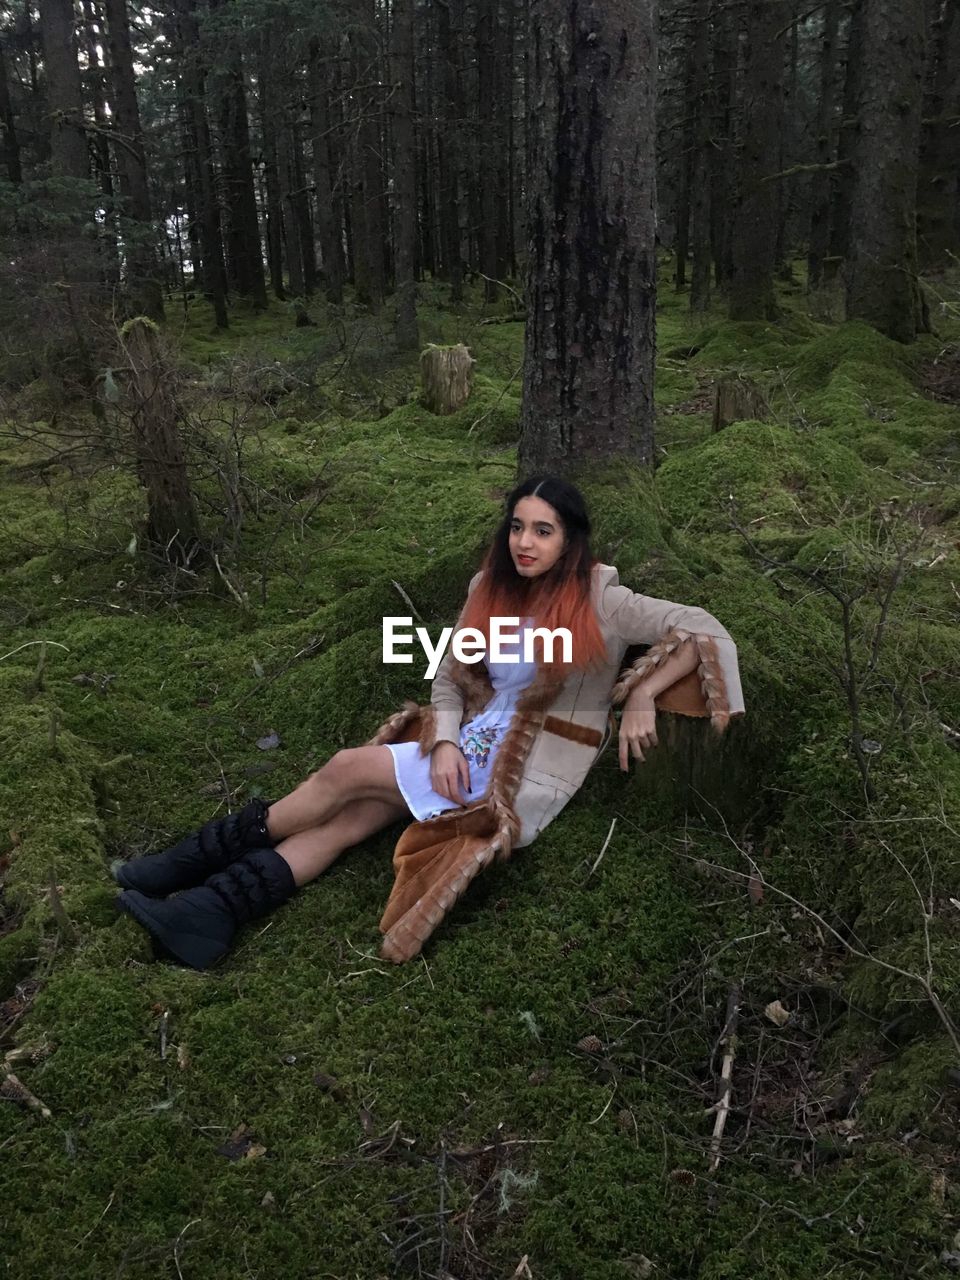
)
(537, 538)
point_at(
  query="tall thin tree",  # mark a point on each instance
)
(405, 176)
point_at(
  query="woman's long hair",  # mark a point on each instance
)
(561, 597)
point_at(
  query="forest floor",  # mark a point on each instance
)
(534, 1096)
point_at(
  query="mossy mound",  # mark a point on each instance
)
(540, 1082)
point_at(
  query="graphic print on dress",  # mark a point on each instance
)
(477, 744)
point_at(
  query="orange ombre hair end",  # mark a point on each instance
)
(562, 597)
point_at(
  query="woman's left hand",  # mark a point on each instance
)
(638, 726)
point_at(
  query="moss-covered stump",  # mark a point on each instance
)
(737, 398)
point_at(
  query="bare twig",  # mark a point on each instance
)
(729, 1036)
(603, 850)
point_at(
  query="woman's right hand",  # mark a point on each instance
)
(450, 773)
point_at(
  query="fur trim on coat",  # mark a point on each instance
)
(436, 859)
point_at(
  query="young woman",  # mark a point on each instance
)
(499, 751)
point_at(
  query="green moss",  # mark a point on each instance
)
(758, 472)
(638, 949)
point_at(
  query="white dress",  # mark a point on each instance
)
(479, 739)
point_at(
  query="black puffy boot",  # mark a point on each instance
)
(197, 928)
(218, 843)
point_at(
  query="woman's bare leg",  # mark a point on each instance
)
(359, 773)
(310, 852)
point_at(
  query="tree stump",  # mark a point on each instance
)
(161, 462)
(446, 374)
(738, 399)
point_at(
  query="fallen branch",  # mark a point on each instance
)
(722, 1106)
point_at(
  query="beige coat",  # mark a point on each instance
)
(560, 726)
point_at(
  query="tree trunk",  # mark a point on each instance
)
(843, 191)
(504, 79)
(244, 250)
(92, 40)
(301, 206)
(329, 210)
(9, 143)
(589, 358)
(750, 291)
(143, 287)
(449, 146)
(703, 117)
(292, 243)
(489, 145)
(172, 518)
(788, 137)
(681, 238)
(938, 194)
(368, 229)
(271, 174)
(723, 169)
(68, 141)
(404, 176)
(211, 240)
(881, 272)
(823, 184)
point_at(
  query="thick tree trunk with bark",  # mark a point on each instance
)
(589, 358)
(142, 285)
(881, 269)
(404, 177)
(754, 212)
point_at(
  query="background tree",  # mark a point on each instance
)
(882, 284)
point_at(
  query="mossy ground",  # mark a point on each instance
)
(465, 1128)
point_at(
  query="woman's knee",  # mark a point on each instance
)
(352, 768)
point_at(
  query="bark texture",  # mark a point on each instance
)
(161, 463)
(754, 212)
(588, 365)
(881, 270)
(446, 374)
